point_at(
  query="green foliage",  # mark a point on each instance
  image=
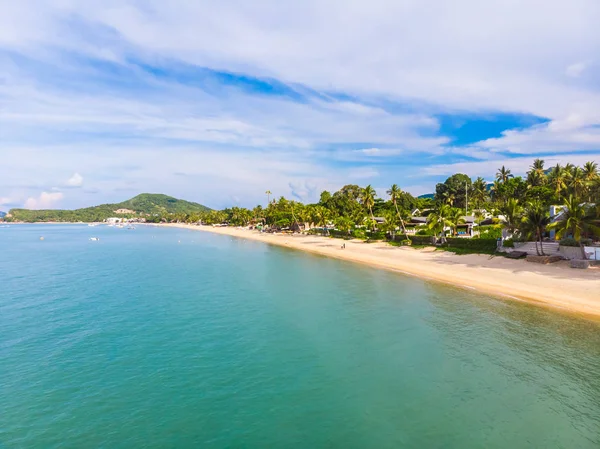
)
(509, 243)
(143, 206)
(568, 241)
(489, 232)
(453, 191)
(482, 245)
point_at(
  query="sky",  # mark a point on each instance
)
(217, 102)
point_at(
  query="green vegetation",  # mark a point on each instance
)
(147, 205)
(512, 206)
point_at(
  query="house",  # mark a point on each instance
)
(466, 229)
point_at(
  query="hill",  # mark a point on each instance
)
(145, 204)
(2, 214)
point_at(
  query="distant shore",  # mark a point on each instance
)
(556, 285)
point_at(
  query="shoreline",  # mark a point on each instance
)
(556, 285)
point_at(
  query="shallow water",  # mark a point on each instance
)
(174, 338)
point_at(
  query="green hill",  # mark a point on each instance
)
(145, 204)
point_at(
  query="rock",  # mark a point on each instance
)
(580, 263)
(516, 254)
(543, 259)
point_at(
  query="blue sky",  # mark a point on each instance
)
(217, 102)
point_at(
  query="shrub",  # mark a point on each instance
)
(483, 245)
(489, 232)
(509, 243)
(424, 231)
(569, 241)
(359, 234)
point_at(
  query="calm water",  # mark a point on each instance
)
(171, 338)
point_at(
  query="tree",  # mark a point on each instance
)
(268, 193)
(535, 221)
(512, 212)
(453, 191)
(479, 192)
(503, 174)
(576, 220)
(394, 192)
(322, 216)
(344, 224)
(577, 182)
(456, 218)
(590, 174)
(440, 219)
(558, 177)
(367, 198)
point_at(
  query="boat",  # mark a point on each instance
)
(94, 239)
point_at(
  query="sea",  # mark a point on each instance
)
(171, 338)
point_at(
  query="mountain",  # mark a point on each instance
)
(2, 214)
(427, 196)
(145, 204)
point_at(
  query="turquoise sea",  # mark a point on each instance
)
(166, 338)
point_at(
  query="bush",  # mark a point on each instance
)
(489, 232)
(568, 241)
(424, 231)
(509, 243)
(359, 234)
(482, 245)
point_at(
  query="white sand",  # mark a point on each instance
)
(555, 285)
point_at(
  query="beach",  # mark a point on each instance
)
(554, 285)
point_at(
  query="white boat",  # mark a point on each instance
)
(91, 225)
(94, 239)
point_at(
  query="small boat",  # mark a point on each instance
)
(91, 225)
(94, 239)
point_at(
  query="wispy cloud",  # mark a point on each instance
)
(280, 96)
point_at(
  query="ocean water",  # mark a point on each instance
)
(166, 338)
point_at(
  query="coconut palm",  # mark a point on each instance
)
(538, 167)
(268, 193)
(456, 218)
(576, 220)
(321, 217)
(440, 219)
(479, 193)
(535, 221)
(367, 198)
(394, 192)
(590, 174)
(558, 179)
(577, 182)
(512, 212)
(344, 224)
(504, 174)
(590, 171)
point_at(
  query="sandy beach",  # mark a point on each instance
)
(556, 285)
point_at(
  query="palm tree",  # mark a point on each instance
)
(590, 174)
(456, 218)
(479, 193)
(449, 197)
(344, 224)
(268, 193)
(367, 197)
(503, 174)
(440, 219)
(576, 220)
(558, 177)
(512, 212)
(321, 216)
(394, 192)
(538, 167)
(577, 182)
(535, 221)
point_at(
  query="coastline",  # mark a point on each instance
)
(557, 285)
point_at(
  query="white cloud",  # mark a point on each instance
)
(575, 70)
(431, 57)
(75, 181)
(44, 201)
